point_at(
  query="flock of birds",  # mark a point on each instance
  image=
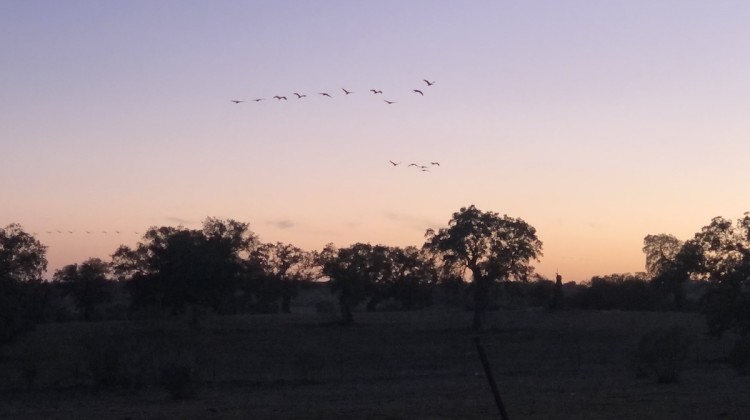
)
(87, 232)
(328, 95)
(421, 168)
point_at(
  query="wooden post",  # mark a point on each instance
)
(490, 379)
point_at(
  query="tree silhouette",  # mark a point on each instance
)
(88, 284)
(173, 267)
(490, 246)
(666, 265)
(720, 253)
(22, 262)
(352, 272)
(282, 264)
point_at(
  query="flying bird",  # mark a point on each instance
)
(425, 170)
(376, 91)
(389, 102)
(300, 96)
(258, 100)
(435, 163)
(117, 232)
(324, 94)
(280, 97)
(418, 91)
(237, 101)
(394, 163)
(88, 232)
(346, 91)
(429, 83)
(412, 164)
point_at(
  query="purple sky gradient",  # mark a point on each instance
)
(596, 122)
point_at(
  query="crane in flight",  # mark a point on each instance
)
(324, 94)
(394, 163)
(418, 91)
(375, 91)
(346, 91)
(280, 97)
(429, 83)
(300, 96)
(237, 101)
(389, 102)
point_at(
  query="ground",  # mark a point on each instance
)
(388, 365)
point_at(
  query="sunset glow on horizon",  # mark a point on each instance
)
(597, 123)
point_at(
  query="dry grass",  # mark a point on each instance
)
(389, 365)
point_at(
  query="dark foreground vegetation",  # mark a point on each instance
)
(391, 365)
(233, 327)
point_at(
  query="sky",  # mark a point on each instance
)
(597, 123)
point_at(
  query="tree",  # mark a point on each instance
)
(412, 276)
(22, 262)
(174, 267)
(720, 254)
(22, 257)
(88, 283)
(666, 265)
(490, 246)
(283, 266)
(352, 274)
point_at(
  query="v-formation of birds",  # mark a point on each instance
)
(328, 95)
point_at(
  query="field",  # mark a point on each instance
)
(388, 365)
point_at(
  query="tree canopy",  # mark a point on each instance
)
(490, 246)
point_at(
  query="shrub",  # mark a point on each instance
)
(662, 352)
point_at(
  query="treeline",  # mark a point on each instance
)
(480, 261)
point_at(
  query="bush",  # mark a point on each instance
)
(662, 352)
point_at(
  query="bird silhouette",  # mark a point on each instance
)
(324, 94)
(429, 83)
(425, 170)
(300, 96)
(346, 91)
(88, 232)
(70, 231)
(237, 101)
(418, 91)
(258, 100)
(280, 97)
(376, 91)
(435, 163)
(117, 232)
(389, 102)
(394, 163)
(412, 164)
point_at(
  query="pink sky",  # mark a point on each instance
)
(596, 122)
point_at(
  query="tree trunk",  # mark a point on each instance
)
(480, 300)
